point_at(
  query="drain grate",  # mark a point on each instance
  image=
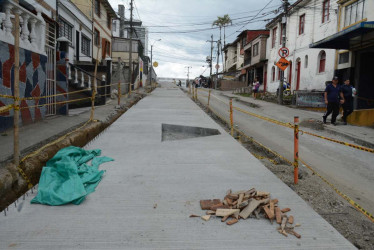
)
(172, 132)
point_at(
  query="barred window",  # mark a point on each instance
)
(85, 45)
(66, 30)
(354, 12)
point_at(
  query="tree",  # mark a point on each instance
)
(223, 22)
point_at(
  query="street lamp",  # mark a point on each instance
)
(150, 67)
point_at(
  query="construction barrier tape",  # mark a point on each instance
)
(346, 197)
(4, 109)
(7, 96)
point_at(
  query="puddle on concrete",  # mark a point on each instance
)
(172, 132)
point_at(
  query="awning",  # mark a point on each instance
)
(345, 39)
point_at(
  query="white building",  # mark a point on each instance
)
(77, 28)
(354, 41)
(308, 21)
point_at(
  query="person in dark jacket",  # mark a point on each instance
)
(333, 96)
(347, 106)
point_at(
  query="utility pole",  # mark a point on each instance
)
(151, 66)
(283, 34)
(216, 81)
(130, 50)
(188, 73)
(211, 55)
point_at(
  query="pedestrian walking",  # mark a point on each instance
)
(256, 87)
(333, 96)
(348, 93)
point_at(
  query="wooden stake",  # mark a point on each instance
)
(16, 90)
(94, 89)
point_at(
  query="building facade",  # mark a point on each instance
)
(354, 42)
(308, 21)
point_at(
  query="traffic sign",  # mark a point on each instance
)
(217, 66)
(282, 63)
(283, 52)
(155, 64)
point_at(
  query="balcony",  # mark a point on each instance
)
(247, 61)
(31, 39)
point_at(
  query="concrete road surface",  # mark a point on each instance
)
(148, 193)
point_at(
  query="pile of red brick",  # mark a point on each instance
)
(243, 204)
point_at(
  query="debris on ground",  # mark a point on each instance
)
(246, 204)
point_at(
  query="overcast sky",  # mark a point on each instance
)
(184, 26)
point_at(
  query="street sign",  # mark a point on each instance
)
(155, 64)
(282, 63)
(217, 66)
(283, 52)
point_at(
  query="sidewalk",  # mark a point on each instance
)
(148, 193)
(53, 127)
(360, 135)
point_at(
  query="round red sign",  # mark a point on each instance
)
(283, 52)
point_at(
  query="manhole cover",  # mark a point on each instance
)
(172, 132)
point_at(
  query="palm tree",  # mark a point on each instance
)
(222, 22)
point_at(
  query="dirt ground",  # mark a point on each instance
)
(352, 224)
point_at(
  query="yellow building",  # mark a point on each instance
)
(101, 13)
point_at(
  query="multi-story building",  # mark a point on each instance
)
(103, 14)
(308, 21)
(76, 27)
(354, 42)
(231, 56)
(238, 56)
(255, 63)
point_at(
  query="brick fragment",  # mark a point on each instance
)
(206, 204)
(275, 201)
(285, 210)
(232, 221)
(226, 212)
(290, 219)
(218, 206)
(225, 218)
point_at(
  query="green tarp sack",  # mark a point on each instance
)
(67, 178)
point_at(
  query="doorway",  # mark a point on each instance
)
(298, 69)
(365, 79)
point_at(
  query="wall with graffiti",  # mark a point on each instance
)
(32, 77)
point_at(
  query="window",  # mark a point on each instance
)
(66, 30)
(322, 62)
(344, 57)
(97, 37)
(274, 38)
(301, 24)
(85, 45)
(255, 49)
(306, 61)
(114, 26)
(279, 74)
(97, 7)
(325, 10)
(273, 74)
(281, 35)
(109, 21)
(107, 47)
(354, 12)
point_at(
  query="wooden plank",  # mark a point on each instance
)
(252, 205)
(278, 216)
(226, 212)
